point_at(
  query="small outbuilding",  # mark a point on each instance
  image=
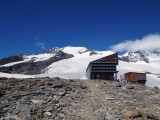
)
(103, 68)
(134, 77)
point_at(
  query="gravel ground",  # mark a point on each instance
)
(58, 99)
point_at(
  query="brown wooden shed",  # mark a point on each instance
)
(134, 77)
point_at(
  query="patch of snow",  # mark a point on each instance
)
(39, 57)
(125, 54)
(153, 81)
(73, 68)
(134, 67)
(13, 63)
(35, 58)
(141, 62)
(7, 75)
(74, 50)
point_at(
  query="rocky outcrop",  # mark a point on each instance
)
(32, 67)
(15, 58)
(54, 50)
(136, 56)
(57, 99)
(93, 53)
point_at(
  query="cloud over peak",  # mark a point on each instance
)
(150, 42)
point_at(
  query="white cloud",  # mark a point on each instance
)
(41, 45)
(149, 42)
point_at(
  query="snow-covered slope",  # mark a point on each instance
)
(8, 75)
(153, 68)
(75, 67)
(38, 57)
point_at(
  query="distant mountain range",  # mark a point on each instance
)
(71, 63)
(137, 56)
(36, 63)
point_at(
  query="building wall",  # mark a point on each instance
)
(134, 77)
(88, 72)
(103, 68)
(102, 76)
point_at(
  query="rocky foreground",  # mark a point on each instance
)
(55, 99)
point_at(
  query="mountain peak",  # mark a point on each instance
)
(69, 49)
(75, 50)
(141, 55)
(54, 50)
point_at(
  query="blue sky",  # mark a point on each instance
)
(31, 26)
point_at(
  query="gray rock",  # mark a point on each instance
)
(102, 117)
(118, 85)
(61, 93)
(31, 67)
(110, 117)
(83, 86)
(130, 87)
(97, 101)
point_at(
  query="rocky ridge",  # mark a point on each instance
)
(136, 56)
(141, 55)
(32, 67)
(58, 99)
(10, 59)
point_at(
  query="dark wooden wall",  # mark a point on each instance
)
(103, 68)
(102, 76)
